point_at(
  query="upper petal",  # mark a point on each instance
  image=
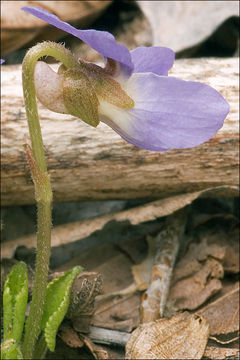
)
(157, 60)
(101, 41)
(168, 113)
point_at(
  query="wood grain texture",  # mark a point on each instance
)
(88, 163)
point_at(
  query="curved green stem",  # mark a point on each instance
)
(43, 192)
(61, 54)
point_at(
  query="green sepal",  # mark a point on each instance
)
(105, 86)
(111, 91)
(79, 96)
(15, 296)
(10, 350)
(56, 304)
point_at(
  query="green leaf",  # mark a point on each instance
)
(15, 298)
(10, 350)
(56, 304)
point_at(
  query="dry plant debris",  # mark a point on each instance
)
(72, 232)
(216, 353)
(196, 277)
(85, 289)
(167, 244)
(204, 281)
(75, 340)
(223, 313)
(183, 336)
(198, 274)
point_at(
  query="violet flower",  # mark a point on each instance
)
(2, 61)
(166, 112)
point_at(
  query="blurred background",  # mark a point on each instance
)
(190, 28)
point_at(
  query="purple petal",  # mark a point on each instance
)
(157, 60)
(101, 41)
(168, 113)
(2, 61)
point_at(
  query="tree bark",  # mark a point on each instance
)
(87, 163)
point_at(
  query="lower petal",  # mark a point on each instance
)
(168, 113)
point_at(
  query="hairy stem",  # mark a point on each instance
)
(61, 54)
(43, 192)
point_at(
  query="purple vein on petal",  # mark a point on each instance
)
(101, 41)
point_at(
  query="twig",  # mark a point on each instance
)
(167, 244)
(108, 337)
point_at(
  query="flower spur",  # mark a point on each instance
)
(132, 93)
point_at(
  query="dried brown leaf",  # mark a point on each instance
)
(231, 258)
(184, 336)
(85, 288)
(97, 351)
(82, 301)
(216, 353)
(118, 313)
(197, 274)
(191, 292)
(223, 244)
(223, 314)
(69, 336)
(190, 263)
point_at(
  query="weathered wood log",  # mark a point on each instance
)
(88, 163)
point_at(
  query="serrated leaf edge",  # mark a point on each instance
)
(19, 312)
(10, 301)
(51, 327)
(7, 312)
